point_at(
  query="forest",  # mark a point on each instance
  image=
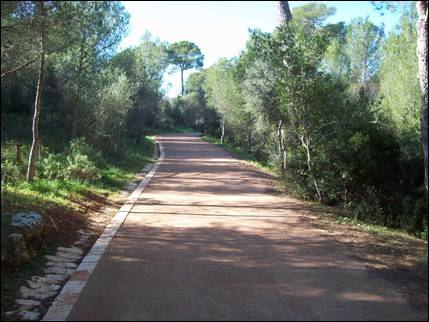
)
(333, 109)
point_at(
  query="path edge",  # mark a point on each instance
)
(64, 302)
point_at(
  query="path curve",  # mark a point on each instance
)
(208, 240)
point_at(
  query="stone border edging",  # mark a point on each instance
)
(63, 303)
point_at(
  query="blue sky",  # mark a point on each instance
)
(220, 28)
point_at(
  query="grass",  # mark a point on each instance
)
(44, 193)
(63, 200)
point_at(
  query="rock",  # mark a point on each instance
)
(43, 286)
(46, 280)
(58, 277)
(69, 255)
(36, 294)
(81, 242)
(59, 271)
(27, 230)
(73, 250)
(83, 232)
(29, 316)
(27, 220)
(10, 314)
(58, 259)
(61, 264)
(28, 303)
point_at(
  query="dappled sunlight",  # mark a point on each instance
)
(210, 236)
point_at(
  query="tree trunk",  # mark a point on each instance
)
(35, 129)
(249, 136)
(223, 130)
(181, 78)
(77, 91)
(281, 147)
(306, 144)
(283, 12)
(422, 56)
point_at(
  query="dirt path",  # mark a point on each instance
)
(208, 240)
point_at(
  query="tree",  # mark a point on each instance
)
(223, 92)
(185, 55)
(50, 22)
(422, 56)
(99, 27)
(284, 17)
(35, 145)
(363, 43)
(312, 15)
(399, 87)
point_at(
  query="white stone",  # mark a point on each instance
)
(61, 264)
(9, 314)
(58, 270)
(26, 220)
(43, 286)
(68, 255)
(57, 277)
(40, 279)
(29, 316)
(36, 294)
(57, 259)
(28, 303)
(73, 250)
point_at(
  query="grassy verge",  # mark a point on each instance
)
(67, 203)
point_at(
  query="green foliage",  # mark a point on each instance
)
(185, 55)
(78, 164)
(363, 44)
(312, 15)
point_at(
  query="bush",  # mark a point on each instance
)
(81, 168)
(10, 172)
(80, 147)
(80, 163)
(53, 166)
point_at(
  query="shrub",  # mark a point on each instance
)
(81, 168)
(80, 163)
(80, 147)
(54, 166)
(10, 172)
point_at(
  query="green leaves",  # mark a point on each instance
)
(185, 55)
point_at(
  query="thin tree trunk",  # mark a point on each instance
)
(284, 150)
(223, 130)
(181, 78)
(77, 91)
(35, 129)
(422, 56)
(306, 144)
(281, 147)
(249, 136)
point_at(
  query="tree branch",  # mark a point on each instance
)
(15, 69)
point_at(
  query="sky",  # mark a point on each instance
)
(220, 28)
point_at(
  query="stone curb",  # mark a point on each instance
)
(63, 303)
